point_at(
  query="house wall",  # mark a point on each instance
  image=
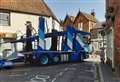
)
(116, 5)
(87, 25)
(82, 19)
(91, 25)
(50, 24)
(97, 44)
(117, 38)
(109, 43)
(116, 30)
(18, 21)
(67, 22)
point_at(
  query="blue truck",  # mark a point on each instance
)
(75, 45)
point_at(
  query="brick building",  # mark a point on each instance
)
(112, 30)
(67, 21)
(83, 21)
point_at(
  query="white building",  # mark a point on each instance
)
(15, 13)
(98, 41)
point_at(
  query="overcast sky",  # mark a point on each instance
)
(62, 7)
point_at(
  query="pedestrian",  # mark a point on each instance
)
(102, 55)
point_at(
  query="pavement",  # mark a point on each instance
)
(66, 72)
(106, 74)
(105, 71)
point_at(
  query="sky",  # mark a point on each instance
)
(71, 7)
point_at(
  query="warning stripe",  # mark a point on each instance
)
(79, 40)
(41, 33)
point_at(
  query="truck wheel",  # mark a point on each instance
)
(56, 59)
(80, 56)
(44, 59)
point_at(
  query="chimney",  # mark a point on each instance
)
(93, 13)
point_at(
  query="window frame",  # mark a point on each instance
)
(8, 20)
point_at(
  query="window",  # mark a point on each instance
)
(87, 39)
(4, 19)
(80, 26)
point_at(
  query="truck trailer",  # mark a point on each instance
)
(75, 45)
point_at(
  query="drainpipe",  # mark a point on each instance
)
(113, 33)
(113, 50)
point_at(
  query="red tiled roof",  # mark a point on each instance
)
(87, 16)
(37, 7)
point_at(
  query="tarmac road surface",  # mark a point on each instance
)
(68, 72)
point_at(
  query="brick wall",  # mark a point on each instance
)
(67, 22)
(87, 25)
(116, 5)
(117, 38)
(81, 19)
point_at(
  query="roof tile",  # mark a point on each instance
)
(38, 7)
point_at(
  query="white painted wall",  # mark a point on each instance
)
(109, 42)
(96, 43)
(52, 24)
(18, 21)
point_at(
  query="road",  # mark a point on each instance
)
(72, 72)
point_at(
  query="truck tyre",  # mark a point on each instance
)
(67, 57)
(80, 56)
(28, 59)
(56, 59)
(61, 58)
(44, 59)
